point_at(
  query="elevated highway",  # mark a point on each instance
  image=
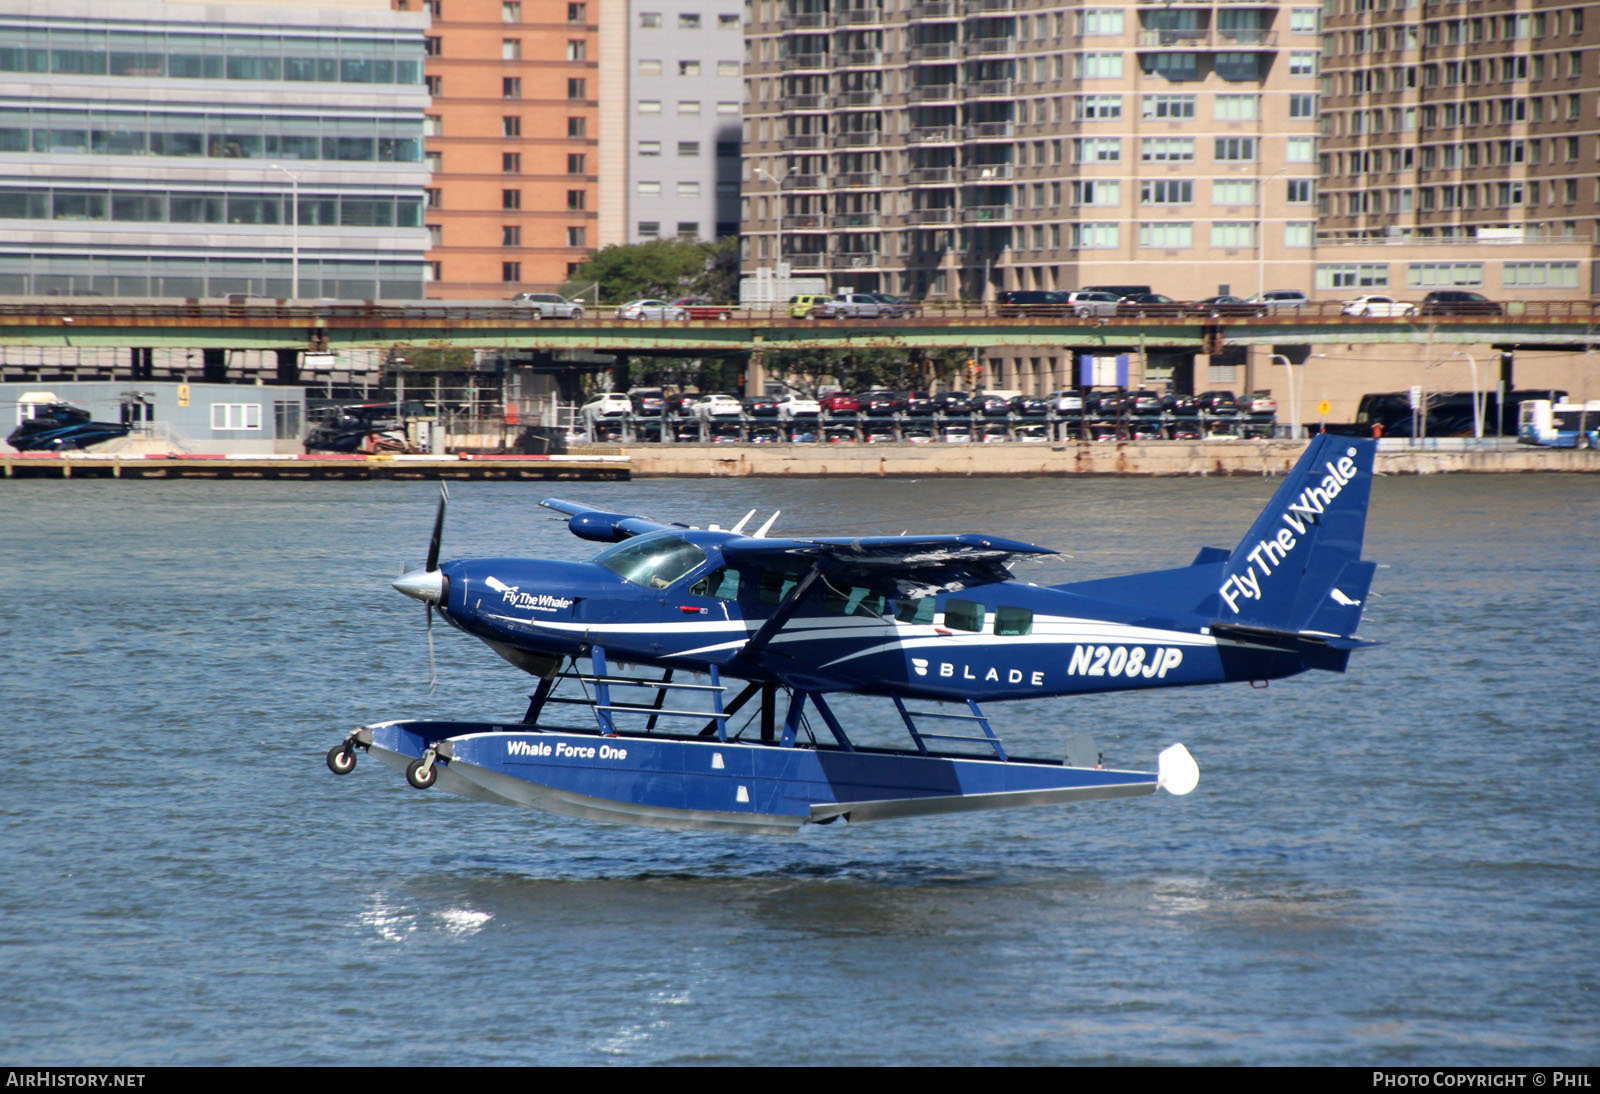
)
(269, 325)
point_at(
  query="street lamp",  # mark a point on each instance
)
(1294, 403)
(294, 237)
(777, 186)
(1477, 400)
(1261, 232)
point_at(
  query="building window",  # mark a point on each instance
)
(1169, 236)
(1302, 191)
(1099, 107)
(727, 108)
(432, 45)
(1100, 66)
(1095, 192)
(511, 87)
(1098, 149)
(510, 163)
(1096, 236)
(577, 127)
(575, 163)
(433, 85)
(577, 13)
(1302, 105)
(1097, 22)
(511, 12)
(688, 229)
(511, 235)
(1540, 275)
(235, 416)
(1167, 149)
(727, 68)
(688, 20)
(511, 49)
(649, 19)
(1235, 149)
(1174, 107)
(689, 188)
(510, 199)
(649, 148)
(650, 66)
(577, 88)
(576, 237)
(510, 271)
(576, 200)
(1233, 192)
(511, 126)
(435, 235)
(649, 106)
(430, 125)
(689, 148)
(577, 50)
(1227, 233)
(1300, 150)
(1353, 275)
(649, 189)
(649, 229)
(1298, 233)
(689, 108)
(1302, 63)
(431, 197)
(1166, 192)
(1305, 21)
(688, 68)
(1237, 108)
(729, 20)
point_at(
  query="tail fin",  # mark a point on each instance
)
(1299, 567)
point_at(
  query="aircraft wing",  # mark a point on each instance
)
(917, 565)
(588, 522)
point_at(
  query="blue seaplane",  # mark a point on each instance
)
(934, 624)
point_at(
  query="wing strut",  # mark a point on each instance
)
(785, 612)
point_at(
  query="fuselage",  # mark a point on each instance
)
(672, 599)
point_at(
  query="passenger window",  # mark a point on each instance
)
(1013, 621)
(722, 583)
(919, 610)
(963, 615)
(855, 600)
(777, 584)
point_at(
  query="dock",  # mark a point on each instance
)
(590, 465)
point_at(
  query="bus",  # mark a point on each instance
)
(1559, 424)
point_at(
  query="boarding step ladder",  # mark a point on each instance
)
(606, 707)
(974, 716)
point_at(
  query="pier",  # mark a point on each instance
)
(590, 465)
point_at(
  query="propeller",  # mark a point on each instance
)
(428, 584)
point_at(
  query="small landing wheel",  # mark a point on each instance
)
(342, 759)
(421, 773)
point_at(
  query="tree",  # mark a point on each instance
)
(663, 268)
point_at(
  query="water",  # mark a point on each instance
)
(1396, 866)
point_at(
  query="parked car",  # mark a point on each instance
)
(992, 406)
(718, 405)
(955, 403)
(841, 405)
(607, 404)
(1065, 402)
(698, 307)
(877, 404)
(648, 402)
(548, 305)
(1086, 303)
(651, 309)
(761, 406)
(895, 307)
(1217, 402)
(1459, 302)
(1281, 299)
(794, 406)
(1149, 303)
(1143, 403)
(853, 305)
(1028, 406)
(1259, 404)
(1383, 307)
(681, 403)
(1227, 305)
(917, 404)
(1179, 406)
(800, 305)
(1030, 302)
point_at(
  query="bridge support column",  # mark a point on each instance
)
(288, 366)
(215, 366)
(142, 363)
(755, 374)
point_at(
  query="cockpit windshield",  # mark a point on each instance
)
(654, 561)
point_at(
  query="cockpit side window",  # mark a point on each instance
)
(721, 583)
(654, 561)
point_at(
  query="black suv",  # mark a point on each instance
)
(1459, 302)
(1031, 302)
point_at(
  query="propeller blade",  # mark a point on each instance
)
(438, 531)
(433, 672)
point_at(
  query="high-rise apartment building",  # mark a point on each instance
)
(1459, 144)
(957, 148)
(154, 149)
(683, 104)
(512, 142)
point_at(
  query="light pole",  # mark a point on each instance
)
(294, 235)
(1477, 400)
(1261, 232)
(777, 187)
(1294, 403)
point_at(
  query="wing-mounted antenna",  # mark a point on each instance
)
(761, 533)
(738, 529)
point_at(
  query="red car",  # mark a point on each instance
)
(840, 403)
(699, 307)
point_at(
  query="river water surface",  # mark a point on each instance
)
(1394, 866)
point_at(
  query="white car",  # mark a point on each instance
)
(548, 305)
(651, 309)
(1379, 307)
(718, 406)
(1280, 299)
(1085, 303)
(793, 406)
(607, 404)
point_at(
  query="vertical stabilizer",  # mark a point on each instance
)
(1299, 567)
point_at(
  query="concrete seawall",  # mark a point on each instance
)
(1130, 458)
